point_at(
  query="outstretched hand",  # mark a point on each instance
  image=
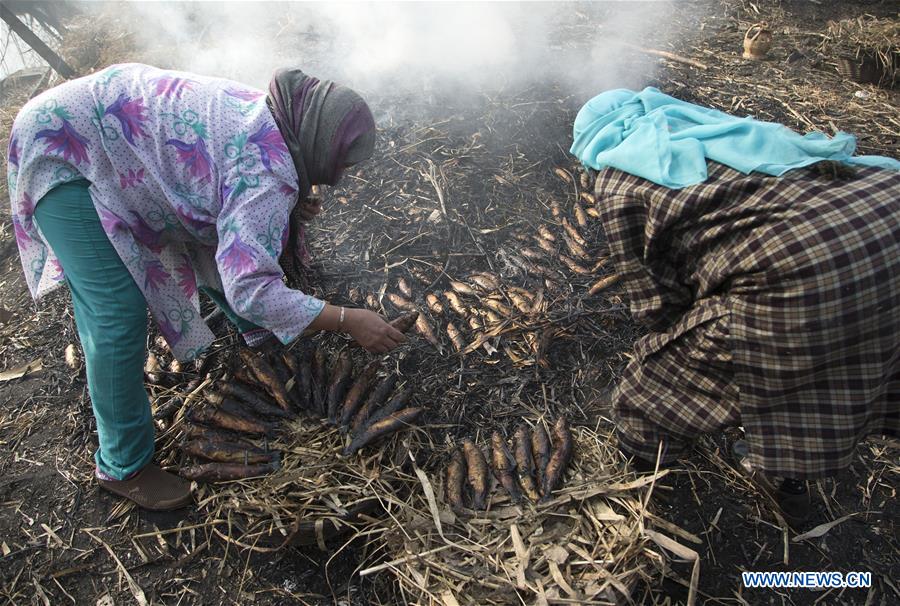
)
(371, 331)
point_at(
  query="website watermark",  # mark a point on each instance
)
(807, 580)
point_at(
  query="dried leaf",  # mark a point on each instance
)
(557, 575)
(21, 371)
(822, 529)
(521, 555)
(683, 552)
(432, 502)
(557, 554)
(448, 598)
(675, 529)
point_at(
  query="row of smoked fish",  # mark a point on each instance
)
(368, 406)
(481, 305)
(225, 431)
(533, 468)
(269, 389)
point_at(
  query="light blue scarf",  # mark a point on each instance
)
(658, 137)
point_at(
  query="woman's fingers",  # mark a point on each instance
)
(372, 331)
(379, 348)
(388, 340)
(392, 337)
(385, 344)
(395, 335)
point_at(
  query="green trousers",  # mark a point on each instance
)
(111, 317)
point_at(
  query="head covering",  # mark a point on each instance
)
(327, 127)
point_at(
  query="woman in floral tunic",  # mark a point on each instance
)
(137, 186)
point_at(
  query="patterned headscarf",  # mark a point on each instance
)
(327, 127)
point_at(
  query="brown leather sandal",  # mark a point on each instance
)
(152, 488)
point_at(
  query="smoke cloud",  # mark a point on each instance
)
(397, 47)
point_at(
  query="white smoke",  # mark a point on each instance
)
(382, 47)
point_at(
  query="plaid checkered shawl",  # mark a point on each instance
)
(804, 272)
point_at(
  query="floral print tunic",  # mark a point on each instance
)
(193, 184)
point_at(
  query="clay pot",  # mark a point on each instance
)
(757, 41)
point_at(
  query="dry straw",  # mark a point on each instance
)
(316, 495)
(595, 542)
(867, 48)
(588, 545)
(867, 32)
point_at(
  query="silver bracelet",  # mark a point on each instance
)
(341, 320)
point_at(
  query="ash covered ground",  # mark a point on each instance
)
(460, 173)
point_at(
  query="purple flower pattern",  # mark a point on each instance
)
(272, 148)
(67, 142)
(243, 94)
(169, 332)
(237, 258)
(143, 233)
(13, 151)
(22, 237)
(110, 222)
(26, 206)
(173, 86)
(155, 275)
(171, 134)
(131, 178)
(131, 114)
(22, 220)
(187, 280)
(195, 157)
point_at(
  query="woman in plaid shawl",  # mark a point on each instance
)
(772, 304)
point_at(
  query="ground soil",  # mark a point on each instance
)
(64, 540)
